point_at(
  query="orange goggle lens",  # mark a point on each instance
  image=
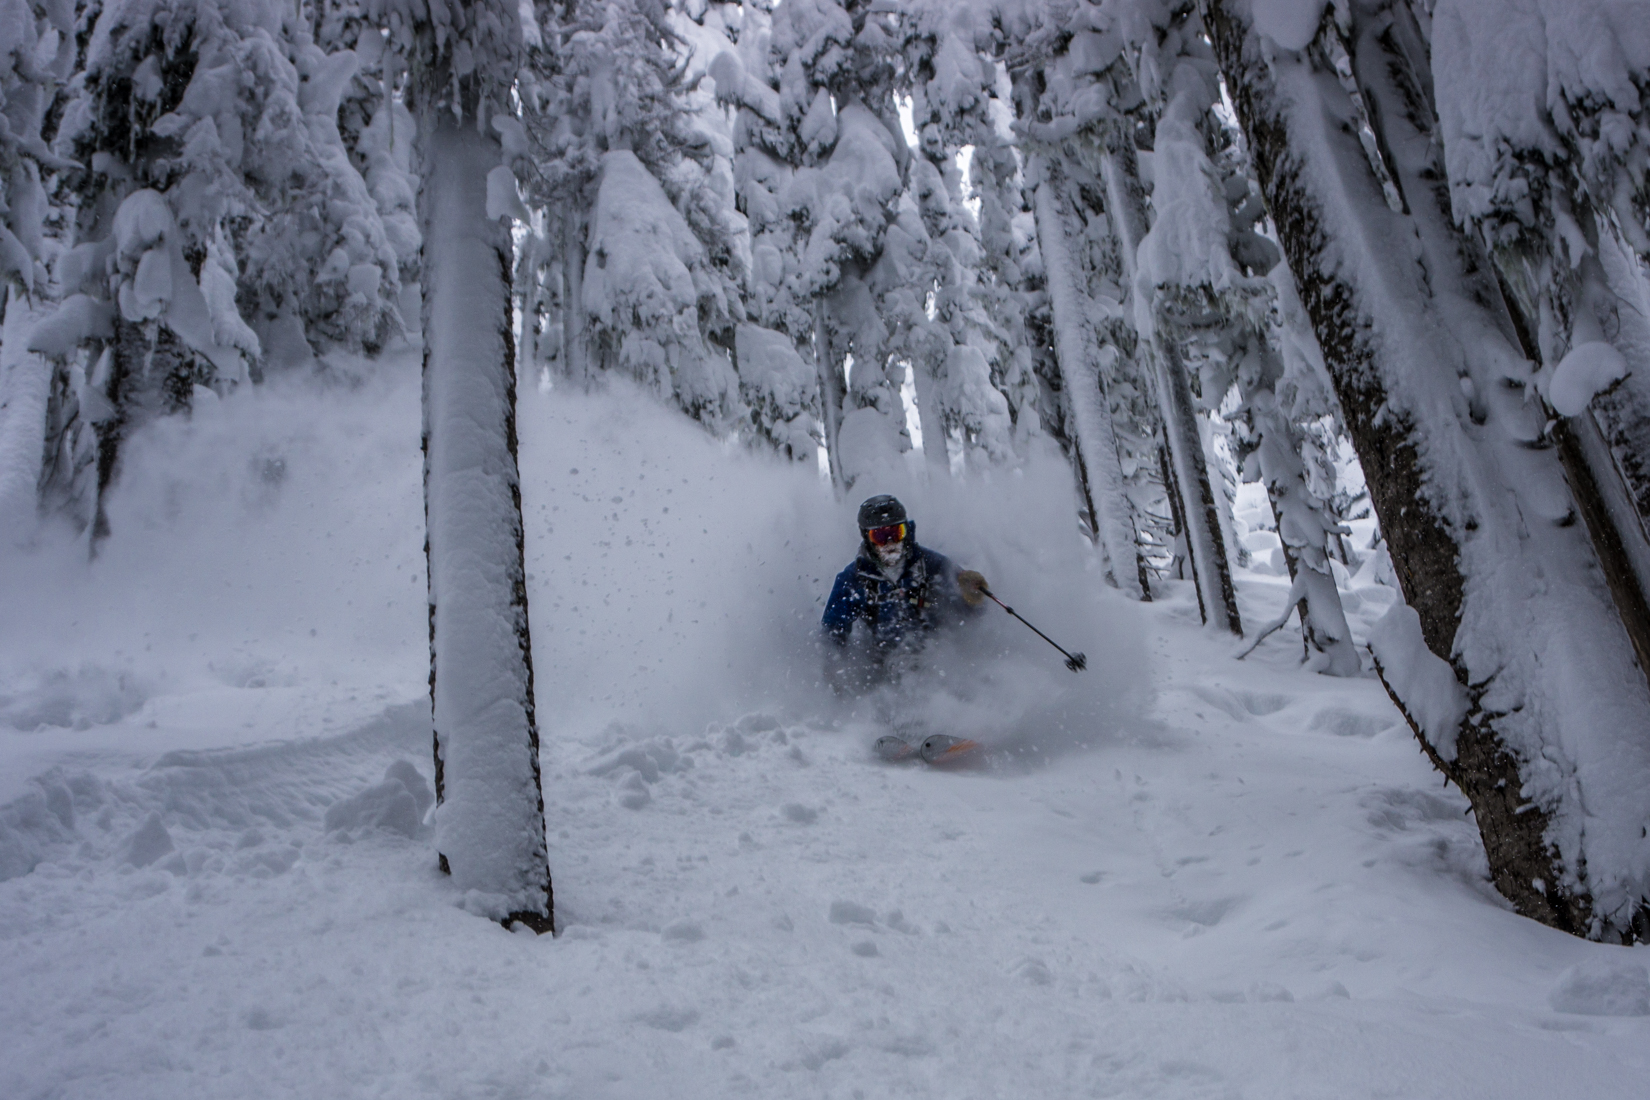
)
(882, 536)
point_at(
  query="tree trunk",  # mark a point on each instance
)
(1204, 542)
(490, 817)
(935, 453)
(1603, 449)
(832, 390)
(575, 331)
(529, 280)
(1540, 714)
(147, 374)
(1303, 531)
(25, 392)
(1211, 570)
(1078, 352)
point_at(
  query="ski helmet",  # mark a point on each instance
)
(885, 511)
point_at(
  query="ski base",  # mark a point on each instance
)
(894, 748)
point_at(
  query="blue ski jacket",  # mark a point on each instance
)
(924, 597)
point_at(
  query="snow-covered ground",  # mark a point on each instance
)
(1180, 876)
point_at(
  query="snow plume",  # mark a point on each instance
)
(675, 583)
(271, 539)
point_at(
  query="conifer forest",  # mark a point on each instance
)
(429, 431)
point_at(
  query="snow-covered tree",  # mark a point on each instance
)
(36, 52)
(776, 348)
(1082, 358)
(462, 59)
(1545, 126)
(214, 199)
(1084, 273)
(641, 249)
(836, 64)
(648, 289)
(1285, 399)
(1186, 296)
(964, 356)
(1508, 656)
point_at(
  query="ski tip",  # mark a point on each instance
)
(890, 747)
(943, 750)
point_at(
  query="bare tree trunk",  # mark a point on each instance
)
(528, 280)
(1204, 542)
(490, 817)
(1540, 715)
(144, 376)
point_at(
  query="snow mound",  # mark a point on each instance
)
(29, 826)
(148, 843)
(1292, 24)
(397, 804)
(1602, 987)
(1588, 370)
(90, 695)
(1436, 699)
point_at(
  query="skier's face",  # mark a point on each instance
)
(889, 543)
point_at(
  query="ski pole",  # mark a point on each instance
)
(1074, 661)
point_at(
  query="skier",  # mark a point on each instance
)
(901, 591)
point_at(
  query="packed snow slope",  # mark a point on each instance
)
(1179, 876)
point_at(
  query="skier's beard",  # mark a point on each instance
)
(891, 557)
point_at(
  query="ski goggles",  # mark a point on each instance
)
(882, 536)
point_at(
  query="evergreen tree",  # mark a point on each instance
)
(837, 65)
(963, 356)
(1083, 265)
(777, 345)
(36, 53)
(211, 187)
(650, 252)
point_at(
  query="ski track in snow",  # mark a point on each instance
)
(1248, 884)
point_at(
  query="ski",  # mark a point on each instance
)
(939, 750)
